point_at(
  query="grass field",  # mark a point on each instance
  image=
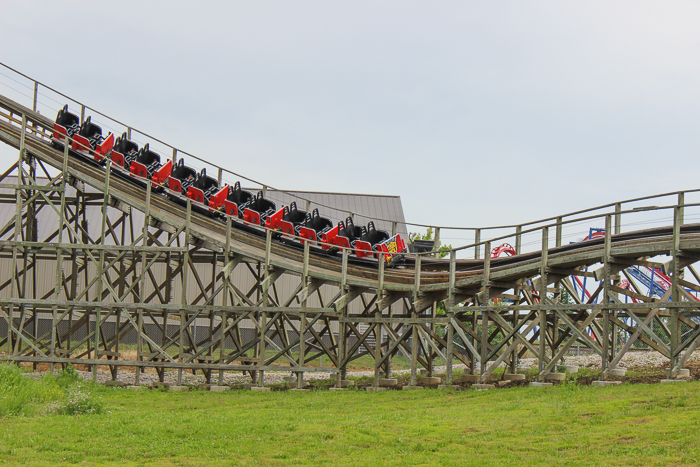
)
(567, 425)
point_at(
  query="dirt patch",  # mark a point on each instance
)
(644, 379)
(626, 440)
(587, 380)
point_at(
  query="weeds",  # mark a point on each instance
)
(63, 393)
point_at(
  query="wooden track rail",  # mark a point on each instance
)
(148, 283)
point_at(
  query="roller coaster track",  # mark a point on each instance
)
(118, 280)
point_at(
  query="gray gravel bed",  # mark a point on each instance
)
(631, 359)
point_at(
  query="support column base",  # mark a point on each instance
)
(388, 382)
(513, 377)
(411, 388)
(260, 389)
(618, 372)
(682, 373)
(179, 388)
(448, 386)
(555, 376)
(429, 381)
(219, 388)
(673, 381)
(337, 389)
(482, 387)
(375, 389)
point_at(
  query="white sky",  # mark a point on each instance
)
(475, 113)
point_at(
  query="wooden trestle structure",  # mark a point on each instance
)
(120, 277)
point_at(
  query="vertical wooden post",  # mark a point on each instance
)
(59, 252)
(560, 227)
(436, 244)
(606, 297)
(414, 316)
(516, 292)
(101, 266)
(225, 277)
(450, 317)
(477, 240)
(302, 319)
(342, 326)
(142, 281)
(36, 94)
(266, 302)
(184, 270)
(543, 299)
(677, 272)
(485, 291)
(13, 349)
(378, 315)
(618, 218)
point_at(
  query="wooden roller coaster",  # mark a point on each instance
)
(72, 292)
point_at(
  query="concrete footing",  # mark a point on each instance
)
(337, 389)
(179, 388)
(448, 386)
(300, 390)
(568, 368)
(672, 381)
(682, 373)
(482, 387)
(606, 383)
(388, 382)
(429, 381)
(346, 383)
(411, 388)
(219, 388)
(555, 376)
(135, 388)
(618, 372)
(513, 377)
(260, 389)
(375, 389)
(537, 384)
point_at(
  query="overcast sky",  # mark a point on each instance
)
(475, 113)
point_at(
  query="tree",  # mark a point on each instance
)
(442, 251)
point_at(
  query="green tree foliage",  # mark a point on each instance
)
(443, 250)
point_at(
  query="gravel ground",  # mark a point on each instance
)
(631, 359)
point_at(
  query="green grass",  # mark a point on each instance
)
(565, 425)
